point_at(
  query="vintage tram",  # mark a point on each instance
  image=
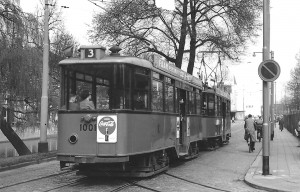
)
(145, 112)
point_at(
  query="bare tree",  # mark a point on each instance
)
(208, 25)
(21, 37)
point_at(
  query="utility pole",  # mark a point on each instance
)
(43, 144)
(266, 90)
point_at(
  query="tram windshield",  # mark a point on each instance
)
(110, 86)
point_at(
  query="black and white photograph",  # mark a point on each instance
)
(149, 95)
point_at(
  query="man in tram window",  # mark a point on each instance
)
(73, 105)
(86, 103)
(139, 102)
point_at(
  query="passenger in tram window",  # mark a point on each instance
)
(86, 103)
(73, 104)
(139, 103)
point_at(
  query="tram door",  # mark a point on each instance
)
(182, 115)
(224, 120)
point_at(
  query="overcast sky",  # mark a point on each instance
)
(285, 37)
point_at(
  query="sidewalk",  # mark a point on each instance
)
(284, 163)
(25, 160)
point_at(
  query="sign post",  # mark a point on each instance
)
(269, 71)
(266, 92)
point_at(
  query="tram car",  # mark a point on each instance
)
(141, 114)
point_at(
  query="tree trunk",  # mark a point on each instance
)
(193, 39)
(183, 33)
(13, 138)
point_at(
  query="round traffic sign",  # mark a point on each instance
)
(269, 70)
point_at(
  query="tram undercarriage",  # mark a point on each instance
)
(138, 166)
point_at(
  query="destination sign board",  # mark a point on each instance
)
(173, 70)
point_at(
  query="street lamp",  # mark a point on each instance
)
(43, 144)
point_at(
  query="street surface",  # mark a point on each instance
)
(222, 169)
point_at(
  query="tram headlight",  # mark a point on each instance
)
(73, 138)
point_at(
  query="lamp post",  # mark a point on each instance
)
(43, 144)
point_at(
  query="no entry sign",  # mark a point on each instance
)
(269, 70)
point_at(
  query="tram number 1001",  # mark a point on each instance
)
(88, 127)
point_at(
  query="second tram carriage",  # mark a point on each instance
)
(145, 113)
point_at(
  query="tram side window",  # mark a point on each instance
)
(204, 104)
(120, 93)
(169, 97)
(198, 102)
(218, 106)
(102, 92)
(228, 106)
(211, 104)
(141, 88)
(157, 95)
(192, 106)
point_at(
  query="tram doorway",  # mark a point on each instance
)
(182, 115)
(224, 109)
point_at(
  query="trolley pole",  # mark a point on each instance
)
(266, 90)
(43, 144)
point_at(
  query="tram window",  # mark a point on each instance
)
(169, 98)
(141, 89)
(102, 93)
(198, 103)
(216, 105)
(211, 104)
(169, 80)
(79, 76)
(228, 107)
(177, 100)
(155, 75)
(192, 106)
(141, 100)
(157, 96)
(204, 104)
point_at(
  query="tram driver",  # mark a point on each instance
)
(86, 103)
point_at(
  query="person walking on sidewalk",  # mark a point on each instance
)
(297, 132)
(250, 130)
(281, 123)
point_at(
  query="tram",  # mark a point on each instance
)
(144, 114)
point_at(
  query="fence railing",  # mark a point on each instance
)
(291, 121)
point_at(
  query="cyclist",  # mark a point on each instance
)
(250, 129)
(258, 127)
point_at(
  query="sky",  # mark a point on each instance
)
(285, 38)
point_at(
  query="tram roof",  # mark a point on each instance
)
(137, 62)
(109, 59)
(218, 91)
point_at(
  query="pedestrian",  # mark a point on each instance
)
(250, 130)
(281, 123)
(258, 127)
(297, 132)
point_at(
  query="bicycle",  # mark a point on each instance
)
(250, 144)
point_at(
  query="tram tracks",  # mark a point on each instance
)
(196, 183)
(65, 173)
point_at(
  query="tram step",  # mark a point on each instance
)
(183, 154)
